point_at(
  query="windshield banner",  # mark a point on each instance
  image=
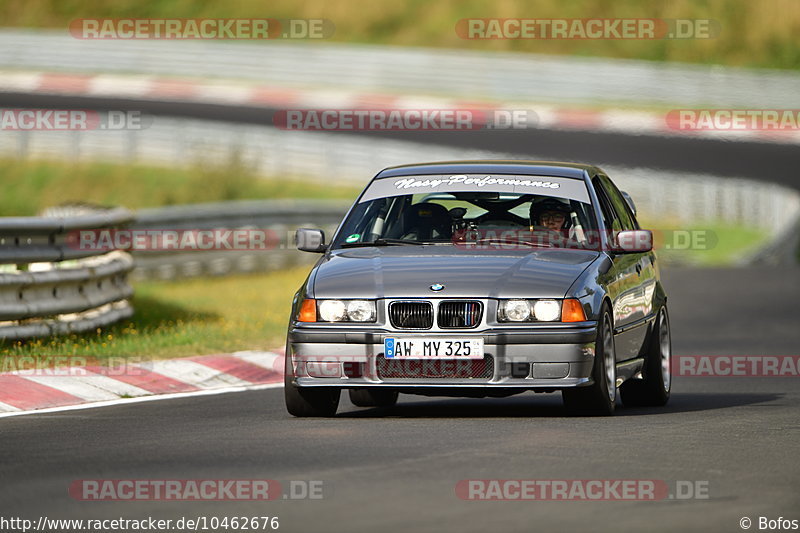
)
(573, 189)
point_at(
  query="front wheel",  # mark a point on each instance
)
(654, 388)
(599, 398)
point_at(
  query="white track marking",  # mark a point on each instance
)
(262, 359)
(223, 92)
(5, 408)
(193, 373)
(21, 81)
(93, 388)
(153, 398)
(120, 86)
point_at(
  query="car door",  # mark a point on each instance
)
(623, 280)
(637, 305)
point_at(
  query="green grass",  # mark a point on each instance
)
(753, 34)
(182, 318)
(29, 186)
(718, 245)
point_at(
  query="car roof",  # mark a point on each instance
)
(489, 166)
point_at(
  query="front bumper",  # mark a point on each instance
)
(516, 358)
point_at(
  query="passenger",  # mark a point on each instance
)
(550, 213)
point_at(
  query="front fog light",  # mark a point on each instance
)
(546, 310)
(517, 310)
(332, 310)
(361, 311)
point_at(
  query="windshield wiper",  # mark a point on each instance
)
(382, 242)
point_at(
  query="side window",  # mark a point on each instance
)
(610, 220)
(626, 219)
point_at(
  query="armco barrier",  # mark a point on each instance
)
(280, 218)
(408, 71)
(48, 287)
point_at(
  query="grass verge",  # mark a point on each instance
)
(182, 318)
(710, 245)
(31, 185)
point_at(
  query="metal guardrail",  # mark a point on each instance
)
(43, 239)
(504, 77)
(49, 287)
(279, 217)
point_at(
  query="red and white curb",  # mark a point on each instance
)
(250, 94)
(59, 389)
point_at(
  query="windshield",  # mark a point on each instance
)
(454, 217)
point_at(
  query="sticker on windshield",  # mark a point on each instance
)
(353, 238)
(477, 181)
(559, 187)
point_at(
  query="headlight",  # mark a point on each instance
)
(517, 310)
(546, 310)
(361, 310)
(346, 310)
(332, 310)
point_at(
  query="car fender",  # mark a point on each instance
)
(589, 288)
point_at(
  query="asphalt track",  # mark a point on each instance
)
(397, 470)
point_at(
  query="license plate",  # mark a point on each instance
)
(432, 348)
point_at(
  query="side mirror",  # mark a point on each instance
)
(635, 241)
(310, 240)
(629, 200)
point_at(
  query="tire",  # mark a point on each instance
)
(654, 388)
(308, 401)
(373, 397)
(599, 398)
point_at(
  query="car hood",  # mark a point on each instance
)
(406, 271)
